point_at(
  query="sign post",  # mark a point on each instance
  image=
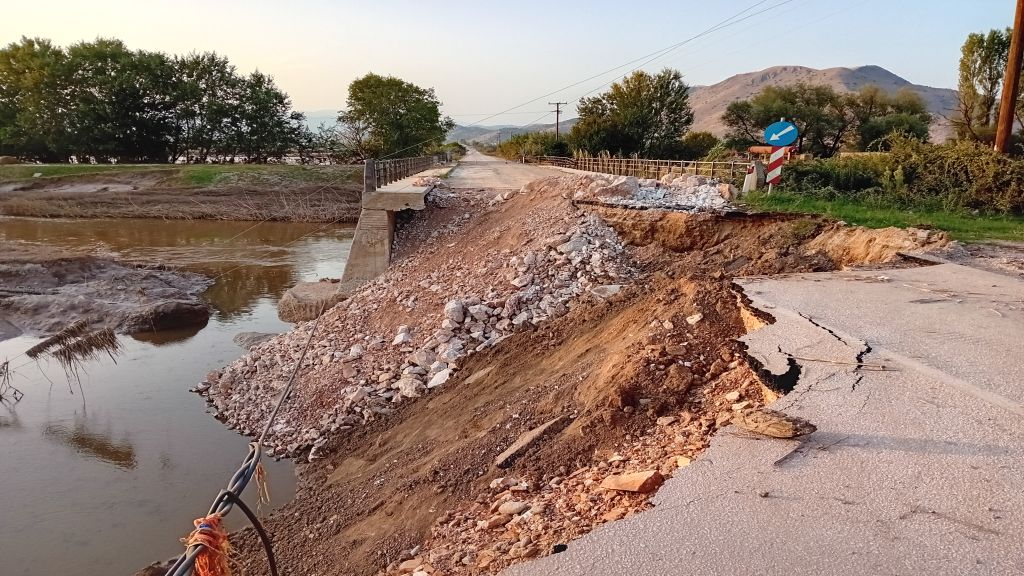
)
(779, 135)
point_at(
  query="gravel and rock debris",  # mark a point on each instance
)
(361, 365)
(530, 367)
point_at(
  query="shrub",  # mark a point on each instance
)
(960, 176)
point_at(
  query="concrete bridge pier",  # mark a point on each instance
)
(388, 187)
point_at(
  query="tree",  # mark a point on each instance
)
(644, 114)
(205, 100)
(982, 65)
(696, 145)
(32, 122)
(117, 105)
(388, 116)
(879, 115)
(266, 127)
(826, 119)
(823, 117)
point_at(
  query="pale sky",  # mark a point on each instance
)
(483, 57)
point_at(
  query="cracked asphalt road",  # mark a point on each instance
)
(917, 468)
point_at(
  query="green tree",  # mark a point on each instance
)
(266, 128)
(696, 145)
(982, 65)
(644, 114)
(32, 113)
(827, 120)
(879, 115)
(824, 117)
(116, 101)
(205, 98)
(389, 116)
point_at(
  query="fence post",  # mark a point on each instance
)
(369, 179)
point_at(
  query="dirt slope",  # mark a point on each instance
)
(414, 478)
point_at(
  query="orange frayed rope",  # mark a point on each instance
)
(212, 559)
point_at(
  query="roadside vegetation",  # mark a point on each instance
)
(863, 157)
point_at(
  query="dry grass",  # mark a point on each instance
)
(72, 355)
(60, 339)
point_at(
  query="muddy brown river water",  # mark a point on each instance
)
(107, 479)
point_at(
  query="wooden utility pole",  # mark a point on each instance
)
(1011, 85)
(558, 112)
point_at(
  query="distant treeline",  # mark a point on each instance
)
(99, 101)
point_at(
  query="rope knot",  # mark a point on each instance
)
(212, 560)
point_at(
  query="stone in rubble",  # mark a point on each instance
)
(439, 378)
(423, 358)
(455, 311)
(572, 246)
(522, 281)
(513, 508)
(480, 312)
(621, 187)
(522, 318)
(773, 424)
(642, 482)
(401, 338)
(410, 386)
(606, 291)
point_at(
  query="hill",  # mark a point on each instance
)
(709, 102)
(489, 134)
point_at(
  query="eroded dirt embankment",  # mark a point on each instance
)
(610, 330)
(42, 291)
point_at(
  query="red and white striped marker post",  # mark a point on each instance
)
(775, 162)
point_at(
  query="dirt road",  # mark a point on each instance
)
(476, 170)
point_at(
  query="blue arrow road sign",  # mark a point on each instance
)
(781, 133)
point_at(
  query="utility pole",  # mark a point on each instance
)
(558, 112)
(1011, 84)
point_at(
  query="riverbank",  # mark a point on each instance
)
(461, 412)
(132, 442)
(43, 290)
(192, 192)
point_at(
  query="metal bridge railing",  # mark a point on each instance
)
(733, 172)
(387, 171)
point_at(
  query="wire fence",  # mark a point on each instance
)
(732, 171)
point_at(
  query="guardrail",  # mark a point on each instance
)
(733, 172)
(385, 172)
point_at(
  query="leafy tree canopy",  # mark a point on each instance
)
(828, 120)
(388, 116)
(644, 114)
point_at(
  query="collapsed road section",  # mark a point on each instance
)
(533, 365)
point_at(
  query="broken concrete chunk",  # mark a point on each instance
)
(513, 508)
(642, 482)
(691, 320)
(524, 441)
(773, 424)
(607, 291)
(439, 378)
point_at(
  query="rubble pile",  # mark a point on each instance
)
(686, 193)
(407, 332)
(523, 517)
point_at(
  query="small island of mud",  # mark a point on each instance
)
(42, 290)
